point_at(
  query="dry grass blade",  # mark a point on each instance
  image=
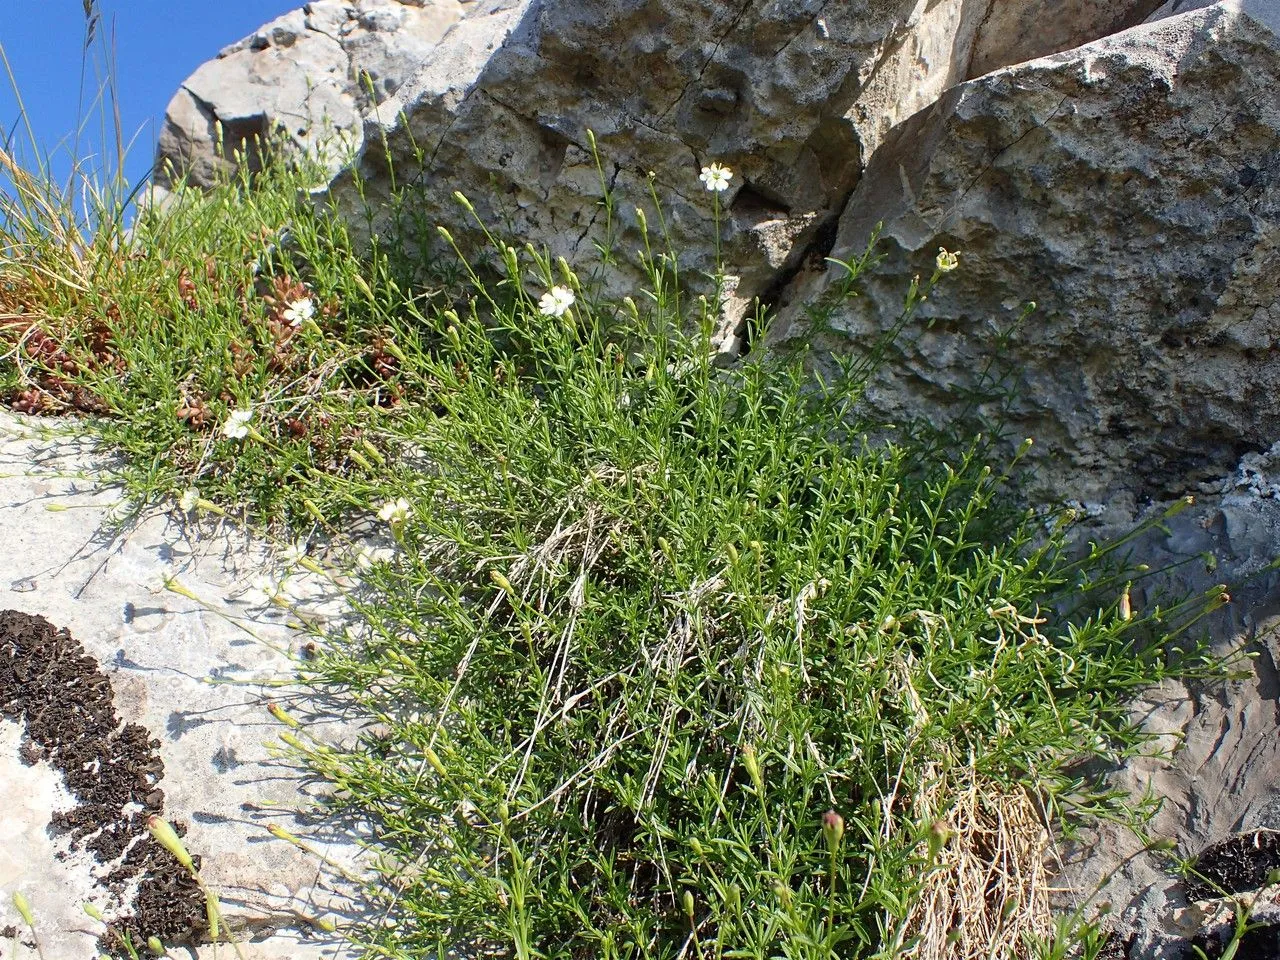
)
(987, 895)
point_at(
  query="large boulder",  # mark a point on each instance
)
(310, 74)
(794, 97)
(1129, 188)
(1125, 185)
(1213, 760)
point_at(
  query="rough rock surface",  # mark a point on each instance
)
(312, 72)
(1214, 759)
(1129, 188)
(192, 678)
(793, 97)
(1125, 185)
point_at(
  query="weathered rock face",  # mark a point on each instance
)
(1215, 754)
(154, 702)
(793, 97)
(1124, 185)
(313, 72)
(1013, 31)
(1129, 188)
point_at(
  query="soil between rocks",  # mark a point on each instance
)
(1261, 942)
(1236, 865)
(66, 703)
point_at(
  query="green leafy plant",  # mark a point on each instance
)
(668, 659)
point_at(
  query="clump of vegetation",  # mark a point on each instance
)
(675, 661)
(670, 660)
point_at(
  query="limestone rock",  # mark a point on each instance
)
(1125, 185)
(1213, 760)
(189, 682)
(312, 72)
(792, 96)
(1129, 187)
(1012, 31)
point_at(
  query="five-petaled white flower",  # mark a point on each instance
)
(716, 177)
(187, 502)
(395, 512)
(298, 311)
(947, 261)
(556, 302)
(237, 425)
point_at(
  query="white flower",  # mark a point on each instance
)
(947, 261)
(395, 512)
(237, 425)
(266, 589)
(556, 302)
(365, 559)
(294, 554)
(187, 502)
(299, 310)
(716, 177)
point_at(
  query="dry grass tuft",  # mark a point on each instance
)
(988, 894)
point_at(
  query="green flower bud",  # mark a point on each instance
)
(24, 909)
(832, 829)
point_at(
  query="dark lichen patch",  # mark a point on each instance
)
(1259, 942)
(67, 706)
(1238, 864)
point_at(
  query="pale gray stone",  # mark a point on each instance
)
(1129, 188)
(310, 73)
(1213, 761)
(793, 97)
(197, 676)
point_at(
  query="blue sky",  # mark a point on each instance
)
(158, 43)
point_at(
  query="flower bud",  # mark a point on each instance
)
(212, 914)
(280, 833)
(24, 909)
(168, 838)
(434, 759)
(832, 829)
(939, 834)
(752, 763)
(733, 898)
(279, 713)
